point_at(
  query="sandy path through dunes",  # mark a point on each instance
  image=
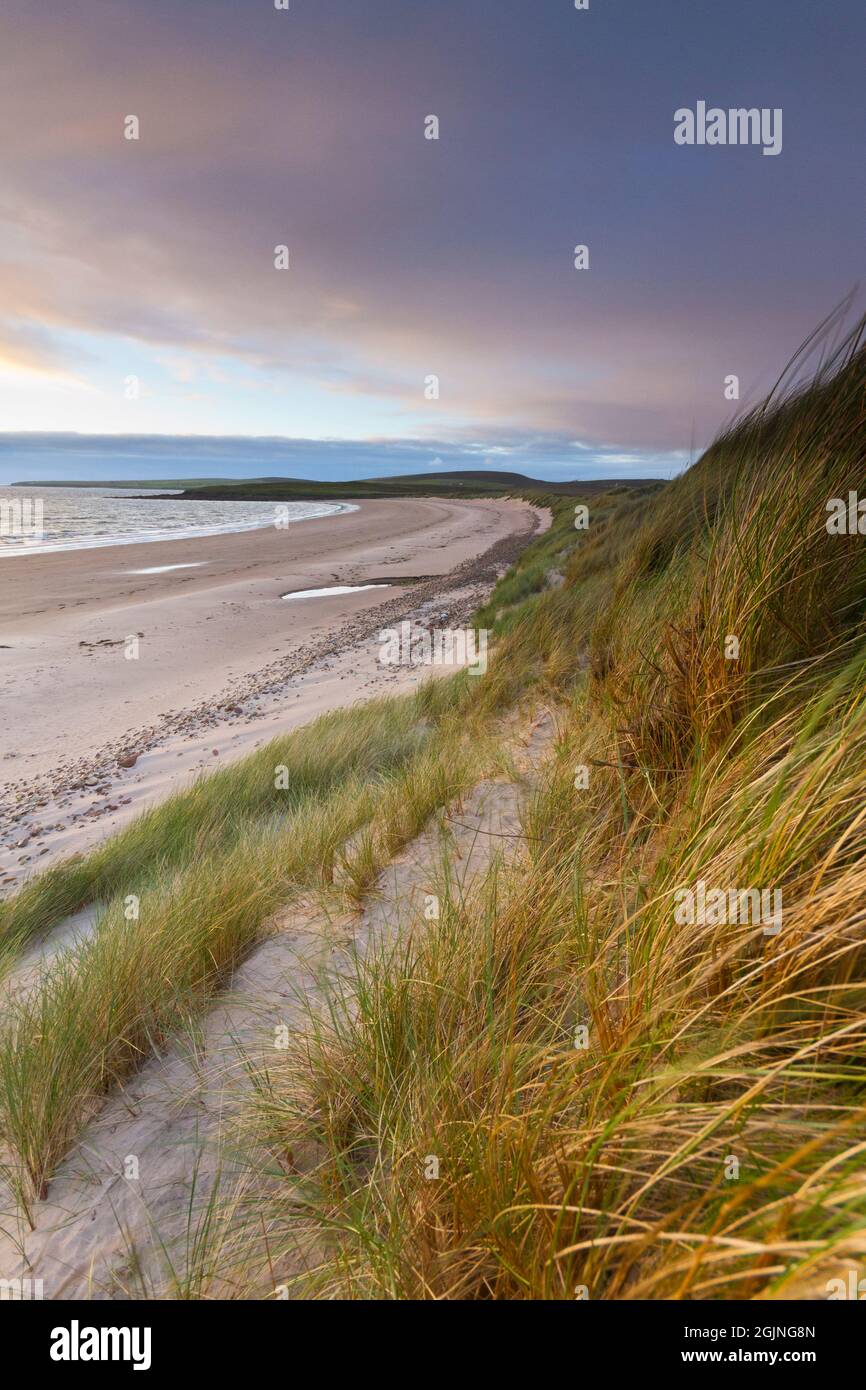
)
(126, 1214)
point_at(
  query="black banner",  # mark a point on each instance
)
(144, 1338)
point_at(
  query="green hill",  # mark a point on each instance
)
(471, 483)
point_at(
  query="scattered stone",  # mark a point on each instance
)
(464, 590)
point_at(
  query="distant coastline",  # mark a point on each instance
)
(448, 483)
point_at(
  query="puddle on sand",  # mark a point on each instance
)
(163, 569)
(335, 589)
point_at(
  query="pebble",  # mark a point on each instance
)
(468, 586)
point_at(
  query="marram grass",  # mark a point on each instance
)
(624, 1101)
(564, 1087)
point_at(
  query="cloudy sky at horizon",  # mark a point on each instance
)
(154, 259)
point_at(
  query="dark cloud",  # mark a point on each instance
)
(411, 257)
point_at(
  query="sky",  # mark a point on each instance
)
(146, 332)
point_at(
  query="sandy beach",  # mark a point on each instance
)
(222, 662)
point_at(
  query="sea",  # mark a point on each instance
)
(37, 521)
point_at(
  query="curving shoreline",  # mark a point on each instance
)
(224, 662)
(196, 518)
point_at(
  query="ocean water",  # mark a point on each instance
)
(36, 521)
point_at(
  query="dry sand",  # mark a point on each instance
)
(106, 1229)
(223, 661)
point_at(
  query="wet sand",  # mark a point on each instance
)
(222, 661)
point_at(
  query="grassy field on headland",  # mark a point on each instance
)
(634, 1086)
(452, 484)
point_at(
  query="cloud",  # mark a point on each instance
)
(28, 347)
(411, 257)
(33, 456)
